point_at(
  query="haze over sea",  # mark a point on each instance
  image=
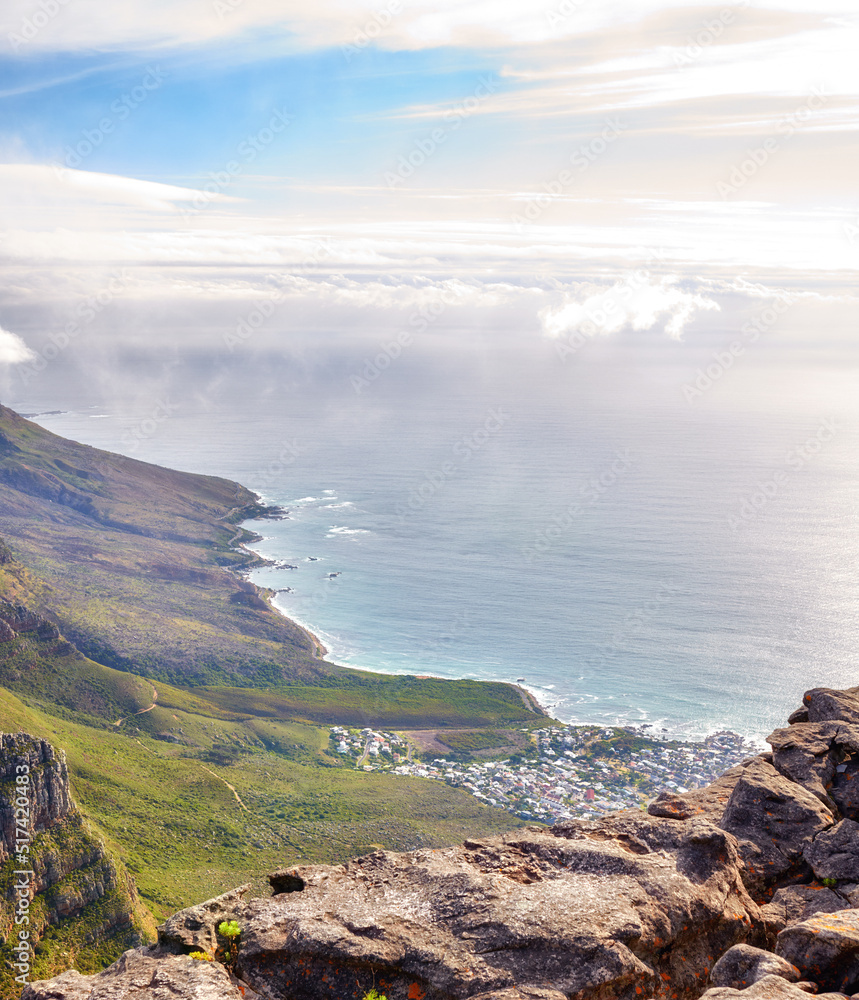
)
(634, 556)
(539, 317)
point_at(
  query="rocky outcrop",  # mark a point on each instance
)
(743, 965)
(45, 799)
(137, 976)
(19, 619)
(51, 859)
(750, 887)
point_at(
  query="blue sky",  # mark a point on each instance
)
(537, 151)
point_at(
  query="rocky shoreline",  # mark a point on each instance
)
(746, 888)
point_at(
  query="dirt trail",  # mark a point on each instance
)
(142, 711)
(228, 786)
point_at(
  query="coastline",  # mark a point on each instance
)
(241, 542)
(244, 538)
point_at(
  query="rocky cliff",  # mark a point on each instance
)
(748, 888)
(57, 882)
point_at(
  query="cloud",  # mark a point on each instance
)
(295, 25)
(639, 302)
(39, 185)
(13, 350)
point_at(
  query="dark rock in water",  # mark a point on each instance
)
(138, 976)
(825, 949)
(773, 819)
(800, 715)
(835, 853)
(742, 965)
(795, 903)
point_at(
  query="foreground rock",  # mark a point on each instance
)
(630, 907)
(768, 988)
(825, 948)
(138, 976)
(607, 909)
(742, 966)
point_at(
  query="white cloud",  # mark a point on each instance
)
(25, 185)
(294, 24)
(639, 302)
(13, 350)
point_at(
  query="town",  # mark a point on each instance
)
(560, 772)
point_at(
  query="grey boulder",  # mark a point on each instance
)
(743, 965)
(825, 949)
(138, 976)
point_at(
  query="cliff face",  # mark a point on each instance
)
(54, 870)
(750, 886)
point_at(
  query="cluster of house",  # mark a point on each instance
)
(567, 772)
(367, 745)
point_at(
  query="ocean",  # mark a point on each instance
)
(635, 553)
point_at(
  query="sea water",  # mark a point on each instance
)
(633, 555)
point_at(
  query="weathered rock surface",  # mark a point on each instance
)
(743, 965)
(768, 988)
(70, 875)
(795, 903)
(705, 803)
(626, 908)
(825, 948)
(45, 796)
(141, 977)
(20, 619)
(194, 929)
(773, 818)
(834, 854)
(823, 704)
(588, 909)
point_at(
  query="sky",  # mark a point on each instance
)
(228, 174)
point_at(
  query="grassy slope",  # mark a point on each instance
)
(127, 558)
(168, 812)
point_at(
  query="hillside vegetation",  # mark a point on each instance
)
(193, 715)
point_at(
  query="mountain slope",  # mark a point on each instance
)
(130, 559)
